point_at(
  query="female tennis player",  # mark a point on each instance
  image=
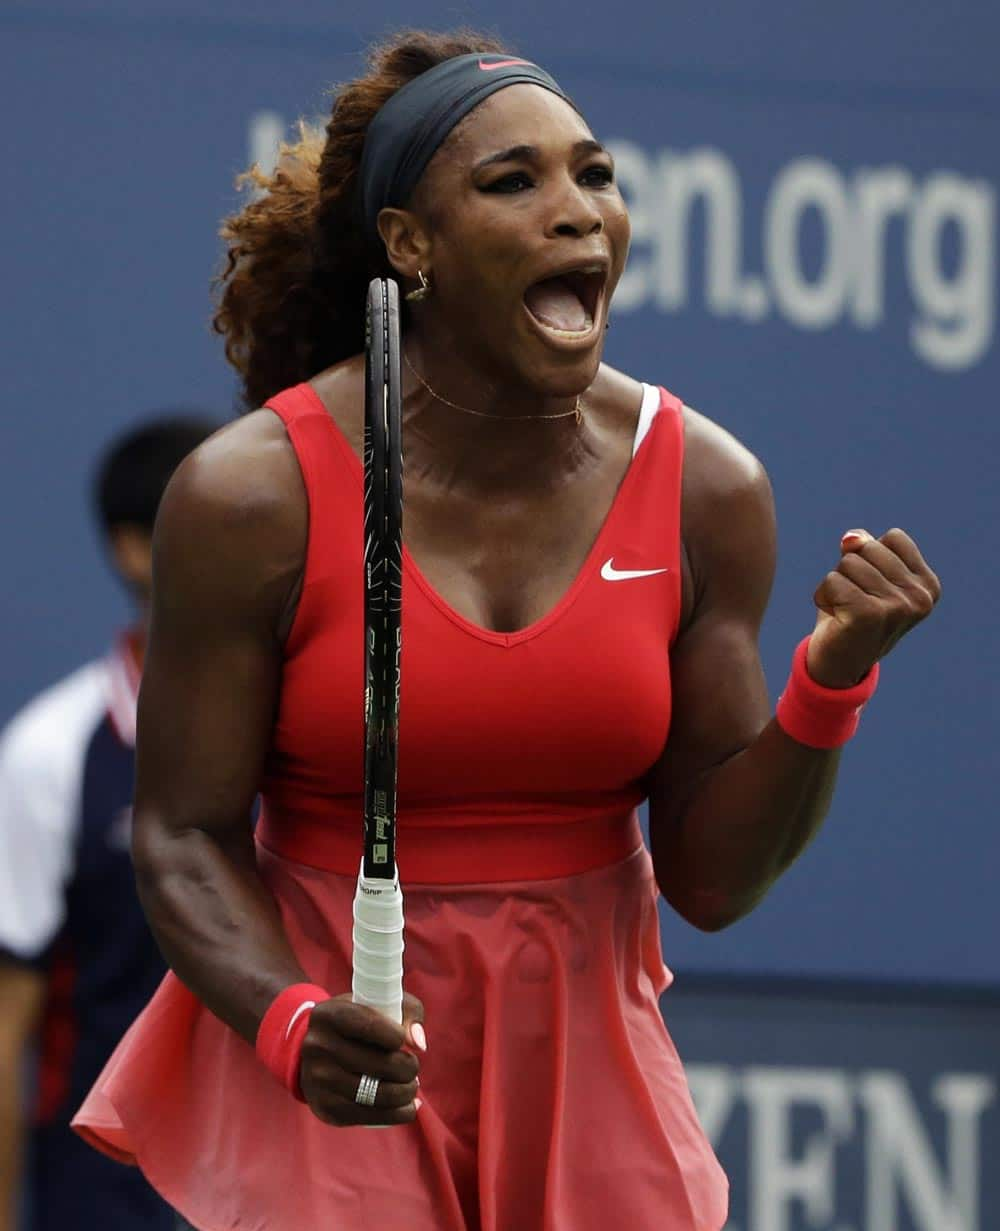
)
(587, 564)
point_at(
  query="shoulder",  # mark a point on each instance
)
(725, 487)
(239, 501)
(246, 473)
(47, 739)
(727, 520)
(717, 467)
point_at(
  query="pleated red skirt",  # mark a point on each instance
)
(553, 1097)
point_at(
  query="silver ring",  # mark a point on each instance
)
(367, 1089)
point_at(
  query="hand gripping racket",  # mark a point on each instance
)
(378, 903)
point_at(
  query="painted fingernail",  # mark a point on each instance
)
(418, 1103)
(418, 1036)
(852, 536)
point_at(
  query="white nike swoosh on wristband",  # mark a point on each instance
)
(306, 1004)
(610, 573)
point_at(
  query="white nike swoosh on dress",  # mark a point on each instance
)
(303, 1007)
(610, 573)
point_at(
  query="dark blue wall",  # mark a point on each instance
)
(828, 174)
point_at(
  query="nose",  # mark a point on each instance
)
(575, 214)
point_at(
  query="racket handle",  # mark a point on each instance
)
(378, 945)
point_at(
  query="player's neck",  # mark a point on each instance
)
(482, 429)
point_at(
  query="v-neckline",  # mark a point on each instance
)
(569, 595)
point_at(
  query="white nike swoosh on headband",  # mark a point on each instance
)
(610, 573)
(306, 1004)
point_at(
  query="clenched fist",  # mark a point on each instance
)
(347, 1041)
(880, 590)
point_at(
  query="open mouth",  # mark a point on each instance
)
(567, 303)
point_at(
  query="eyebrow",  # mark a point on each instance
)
(531, 153)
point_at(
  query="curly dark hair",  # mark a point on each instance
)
(291, 293)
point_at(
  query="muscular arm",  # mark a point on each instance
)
(228, 553)
(733, 800)
(229, 550)
(21, 991)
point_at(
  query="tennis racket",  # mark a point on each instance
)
(378, 902)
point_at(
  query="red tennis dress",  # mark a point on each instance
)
(553, 1097)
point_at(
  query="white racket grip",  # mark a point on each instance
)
(377, 978)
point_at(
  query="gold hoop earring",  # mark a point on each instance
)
(420, 293)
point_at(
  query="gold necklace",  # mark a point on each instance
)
(577, 410)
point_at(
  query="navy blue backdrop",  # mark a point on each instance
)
(814, 196)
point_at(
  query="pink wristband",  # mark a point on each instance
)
(821, 717)
(282, 1032)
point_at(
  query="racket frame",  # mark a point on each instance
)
(383, 544)
(377, 957)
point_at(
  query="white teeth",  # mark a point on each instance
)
(570, 333)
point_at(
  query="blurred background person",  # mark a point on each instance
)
(77, 961)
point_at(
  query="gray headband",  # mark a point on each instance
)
(413, 122)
